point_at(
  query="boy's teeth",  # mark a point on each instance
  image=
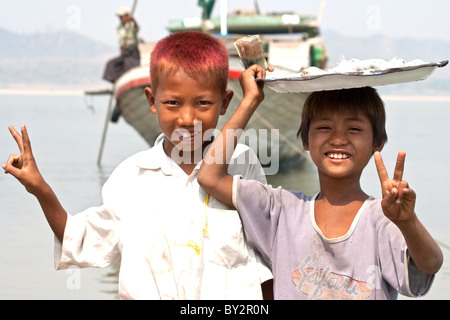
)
(338, 156)
(185, 134)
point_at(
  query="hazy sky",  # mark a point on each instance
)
(96, 19)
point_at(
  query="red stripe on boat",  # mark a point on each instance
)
(234, 74)
(132, 84)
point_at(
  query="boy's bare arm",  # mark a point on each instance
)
(23, 167)
(398, 205)
(213, 176)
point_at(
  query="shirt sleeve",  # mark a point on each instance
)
(259, 206)
(397, 267)
(419, 283)
(90, 240)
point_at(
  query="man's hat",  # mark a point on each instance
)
(123, 11)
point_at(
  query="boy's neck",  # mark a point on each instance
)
(338, 192)
(189, 159)
(187, 168)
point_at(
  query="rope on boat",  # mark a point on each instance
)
(295, 147)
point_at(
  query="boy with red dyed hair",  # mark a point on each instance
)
(174, 240)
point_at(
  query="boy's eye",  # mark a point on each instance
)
(171, 103)
(354, 129)
(204, 103)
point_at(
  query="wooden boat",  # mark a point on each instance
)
(291, 43)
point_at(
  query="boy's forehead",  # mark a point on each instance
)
(343, 109)
(170, 83)
(170, 75)
(205, 78)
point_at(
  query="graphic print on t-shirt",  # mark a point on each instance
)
(322, 283)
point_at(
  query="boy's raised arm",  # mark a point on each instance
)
(398, 205)
(213, 176)
(23, 167)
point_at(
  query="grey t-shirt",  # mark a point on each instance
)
(369, 262)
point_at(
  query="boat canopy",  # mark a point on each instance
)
(248, 23)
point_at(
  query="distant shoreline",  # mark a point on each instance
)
(42, 92)
(47, 92)
(415, 98)
(80, 92)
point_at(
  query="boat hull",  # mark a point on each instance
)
(135, 110)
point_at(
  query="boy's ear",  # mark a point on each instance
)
(378, 148)
(306, 147)
(151, 99)
(304, 143)
(226, 101)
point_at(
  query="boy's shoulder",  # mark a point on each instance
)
(146, 159)
(251, 189)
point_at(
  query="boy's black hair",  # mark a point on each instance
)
(365, 100)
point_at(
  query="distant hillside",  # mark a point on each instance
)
(69, 60)
(61, 59)
(59, 44)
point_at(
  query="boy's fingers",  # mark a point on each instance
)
(9, 166)
(258, 71)
(399, 166)
(404, 190)
(390, 198)
(16, 137)
(381, 169)
(14, 160)
(26, 140)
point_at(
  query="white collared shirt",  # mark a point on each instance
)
(170, 244)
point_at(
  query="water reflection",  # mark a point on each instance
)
(299, 177)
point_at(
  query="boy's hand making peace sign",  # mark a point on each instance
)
(398, 203)
(23, 166)
(398, 200)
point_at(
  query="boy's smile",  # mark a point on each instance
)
(337, 155)
(187, 109)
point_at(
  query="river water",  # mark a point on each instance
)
(65, 132)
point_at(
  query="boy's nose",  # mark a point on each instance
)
(186, 117)
(338, 138)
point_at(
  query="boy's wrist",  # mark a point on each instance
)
(251, 102)
(408, 224)
(41, 189)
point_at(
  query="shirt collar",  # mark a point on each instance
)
(155, 159)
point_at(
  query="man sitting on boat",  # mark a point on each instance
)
(128, 40)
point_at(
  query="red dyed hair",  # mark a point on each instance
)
(197, 54)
